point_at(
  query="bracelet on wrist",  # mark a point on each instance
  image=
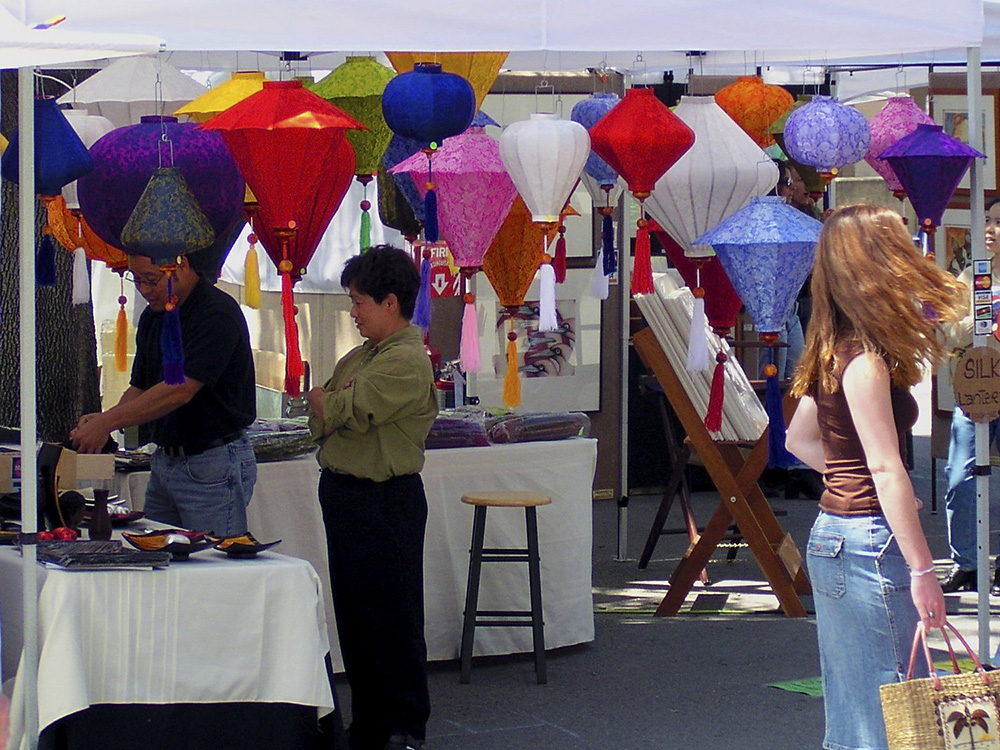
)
(920, 573)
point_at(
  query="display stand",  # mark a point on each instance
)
(735, 476)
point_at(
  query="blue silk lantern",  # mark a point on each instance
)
(826, 135)
(929, 164)
(60, 158)
(428, 105)
(767, 249)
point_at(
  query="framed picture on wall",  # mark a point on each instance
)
(950, 109)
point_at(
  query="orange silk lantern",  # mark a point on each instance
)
(754, 105)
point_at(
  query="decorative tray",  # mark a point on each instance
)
(243, 545)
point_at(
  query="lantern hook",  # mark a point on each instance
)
(545, 87)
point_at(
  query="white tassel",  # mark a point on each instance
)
(599, 282)
(81, 279)
(547, 320)
(469, 346)
(698, 360)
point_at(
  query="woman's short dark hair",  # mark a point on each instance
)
(990, 202)
(382, 270)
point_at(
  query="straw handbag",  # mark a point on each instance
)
(950, 712)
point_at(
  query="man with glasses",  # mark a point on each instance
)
(203, 471)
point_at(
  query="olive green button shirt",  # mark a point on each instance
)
(380, 406)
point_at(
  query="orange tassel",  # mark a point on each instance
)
(642, 271)
(713, 419)
(294, 369)
(512, 380)
(251, 276)
(121, 340)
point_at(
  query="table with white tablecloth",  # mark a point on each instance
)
(285, 507)
(208, 630)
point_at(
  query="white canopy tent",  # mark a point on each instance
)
(636, 37)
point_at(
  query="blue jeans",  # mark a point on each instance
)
(209, 491)
(865, 621)
(960, 502)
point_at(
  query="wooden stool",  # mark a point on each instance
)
(478, 555)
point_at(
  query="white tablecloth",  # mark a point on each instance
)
(285, 507)
(206, 630)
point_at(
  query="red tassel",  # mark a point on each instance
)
(642, 271)
(559, 260)
(713, 419)
(294, 369)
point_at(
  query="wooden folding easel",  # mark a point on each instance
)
(741, 500)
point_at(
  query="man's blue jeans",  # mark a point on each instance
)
(960, 502)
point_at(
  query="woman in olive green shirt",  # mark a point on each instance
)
(371, 419)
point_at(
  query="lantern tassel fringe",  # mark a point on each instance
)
(251, 279)
(608, 245)
(366, 230)
(512, 379)
(716, 395)
(81, 279)
(422, 308)
(173, 348)
(121, 340)
(469, 347)
(698, 359)
(559, 259)
(778, 456)
(431, 232)
(45, 261)
(294, 369)
(599, 282)
(642, 271)
(547, 319)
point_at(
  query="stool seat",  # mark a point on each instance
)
(506, 499)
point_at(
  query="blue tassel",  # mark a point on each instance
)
(422, 309)
(608, 245)
(431, 216)
(777, 456)
(45, 262)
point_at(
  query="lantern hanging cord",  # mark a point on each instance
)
(39, 75)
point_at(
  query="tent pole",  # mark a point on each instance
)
(29, 449)
(974, 88)
(624, 277)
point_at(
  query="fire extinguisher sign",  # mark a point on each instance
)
(444, 275)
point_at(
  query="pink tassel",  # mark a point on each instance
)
(559, 260)
(713, 419)
(469, 347)
(642, 271)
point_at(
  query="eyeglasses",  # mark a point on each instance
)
(149, 283)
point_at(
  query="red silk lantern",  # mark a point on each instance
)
(291, 147)
(641, 139)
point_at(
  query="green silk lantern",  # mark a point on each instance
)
(356, 87)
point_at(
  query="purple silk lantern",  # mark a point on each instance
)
(126, 157)
(899, 117)
(475, 196)
(930, 163)
(826, 135)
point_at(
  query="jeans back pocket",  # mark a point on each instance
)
(825, 559)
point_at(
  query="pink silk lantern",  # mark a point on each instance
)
(899, 117)
(641, 139)
(475, 194)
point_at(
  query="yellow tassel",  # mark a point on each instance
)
(251, 280)
(121, 340)
(512, 381)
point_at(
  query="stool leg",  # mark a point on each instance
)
(535, 585)
(472, 593)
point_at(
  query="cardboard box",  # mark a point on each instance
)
(10, 471)
(74, 467)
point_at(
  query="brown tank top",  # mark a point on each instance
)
(850, 490)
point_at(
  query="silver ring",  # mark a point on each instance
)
(930, 614)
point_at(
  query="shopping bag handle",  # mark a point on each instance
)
(920, 639)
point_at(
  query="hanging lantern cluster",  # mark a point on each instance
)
(641, 139)
(898, 118)
(930, 164)
(754, 106)
(356, 87)
(428, 105)
(476, 196)
(544, 156)
(767, 249)
(827, 135)
(292, 148)
(604, 185)
(60, 158)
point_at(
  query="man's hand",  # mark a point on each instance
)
(90, 434)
